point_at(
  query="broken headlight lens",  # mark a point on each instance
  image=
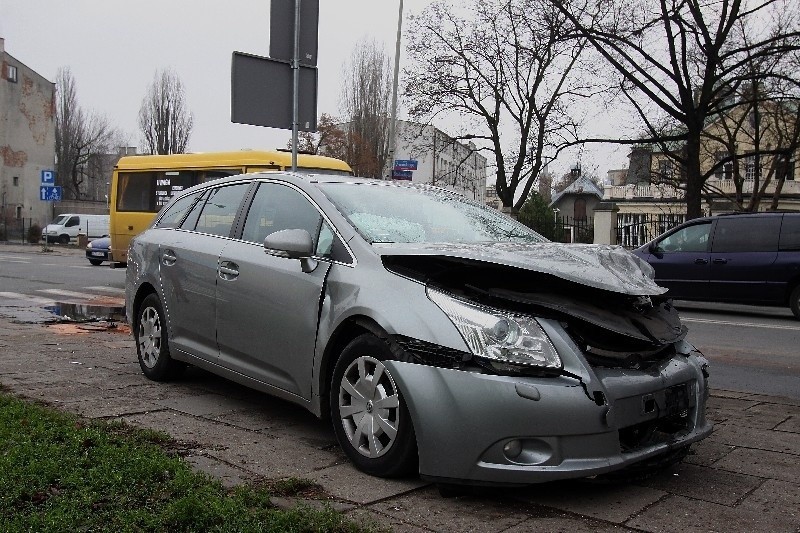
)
(505, 340)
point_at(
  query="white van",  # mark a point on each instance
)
(66, 227)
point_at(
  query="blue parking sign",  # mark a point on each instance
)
(48, 177)
(49, 194)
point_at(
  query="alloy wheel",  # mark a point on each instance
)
(149, 337)
(369, 407)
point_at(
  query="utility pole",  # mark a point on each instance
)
(295, 84)
(393, 121)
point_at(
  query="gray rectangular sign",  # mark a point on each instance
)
(261, 93)
(281, 30)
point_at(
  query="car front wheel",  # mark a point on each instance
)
(794, 302)
(95, 262)
(371, 420)
(152, 344)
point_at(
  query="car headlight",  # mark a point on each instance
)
(506, 341)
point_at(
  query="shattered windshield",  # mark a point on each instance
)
(388, 213)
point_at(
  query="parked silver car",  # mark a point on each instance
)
(440, 336)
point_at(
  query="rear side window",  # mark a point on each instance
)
(174, 214)
(746, 234)
(220, 209)
(790, 233)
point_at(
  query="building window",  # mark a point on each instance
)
(725, 170)
(11, 73)
(785, 166)
(665, 169)
(18, 212)
(16, 181)
(750, 167)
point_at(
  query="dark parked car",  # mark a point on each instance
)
(97, 251)
(440, 336)
(740, 258)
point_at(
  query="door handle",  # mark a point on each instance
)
(720, 261)
(168, 258)
(228, 270)
(701, 261)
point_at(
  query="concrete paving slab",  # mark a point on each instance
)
(702, 483)
(720, 409)
(676, 513)
(381, 522)
(779, 497)
(791, 425)
(707, 452)
(230, 476)
(426, 508)
(777, 400)
(769, 465)
(565, 524)
(610, 502)
(345, 482)
(205, 404)
(747, 437)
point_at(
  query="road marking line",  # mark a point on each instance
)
(35, 300)
(113, 290)
(746, 324)
(62, 292)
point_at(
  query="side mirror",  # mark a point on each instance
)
(292, 244)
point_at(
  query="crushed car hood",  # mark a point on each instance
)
(600, 266)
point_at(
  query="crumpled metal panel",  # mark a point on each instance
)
(601, 266)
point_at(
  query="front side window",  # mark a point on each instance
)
(689, 239)
(72, 222)
(277, 207)
(746, 234)
(219, 210)
(404, 214)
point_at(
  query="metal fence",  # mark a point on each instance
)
(20, 230)
(636, 229)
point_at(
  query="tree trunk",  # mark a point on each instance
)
(694, 177)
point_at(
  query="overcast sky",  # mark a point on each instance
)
(114, 49)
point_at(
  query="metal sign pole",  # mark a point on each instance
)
(296, 83)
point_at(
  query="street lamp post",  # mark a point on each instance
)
(393, 120)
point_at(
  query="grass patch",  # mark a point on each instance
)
(61, 473)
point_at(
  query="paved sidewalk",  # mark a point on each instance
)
(745, 477)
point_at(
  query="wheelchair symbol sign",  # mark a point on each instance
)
(50, 194)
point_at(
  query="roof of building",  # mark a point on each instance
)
(582, 185)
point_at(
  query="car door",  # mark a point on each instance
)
(189, 263)
(267, 307)
(681, 261)
(743, 254)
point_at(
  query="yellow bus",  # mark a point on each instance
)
(142, 184)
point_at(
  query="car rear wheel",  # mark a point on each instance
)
(794, 302)
(95, 262)
(152, 344)
(371, 420)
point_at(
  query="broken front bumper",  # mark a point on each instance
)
(475, 427)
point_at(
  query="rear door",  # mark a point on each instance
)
(743, 254)
(681, 261)
(189, 263)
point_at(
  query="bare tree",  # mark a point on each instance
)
(365, 103)
(679, 63)
(329, 139)
(164, 118)
(80, 136)
(509, 69)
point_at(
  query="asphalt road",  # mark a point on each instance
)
(752, 349)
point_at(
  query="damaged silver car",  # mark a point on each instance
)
(438, 335)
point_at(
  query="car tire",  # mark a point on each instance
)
(152, 344)
(794, 302)
(371, 420)
(95, 262)
(63, 239)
